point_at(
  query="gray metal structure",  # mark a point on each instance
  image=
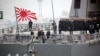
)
(51, 50)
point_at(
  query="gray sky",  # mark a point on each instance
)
(61, 7)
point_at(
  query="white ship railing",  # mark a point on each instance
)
(65, 38)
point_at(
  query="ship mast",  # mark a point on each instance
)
(52, 10)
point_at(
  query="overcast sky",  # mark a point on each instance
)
(61, 7)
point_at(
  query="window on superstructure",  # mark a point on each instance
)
(77, 4)
(93, 1)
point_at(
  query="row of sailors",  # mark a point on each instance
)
(79, 25)
(94, 26)
(41, 35)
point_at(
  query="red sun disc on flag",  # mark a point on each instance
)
(24, 15)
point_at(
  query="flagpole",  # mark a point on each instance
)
(17, 29)
(52, 10)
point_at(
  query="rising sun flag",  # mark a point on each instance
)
(24, 14)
